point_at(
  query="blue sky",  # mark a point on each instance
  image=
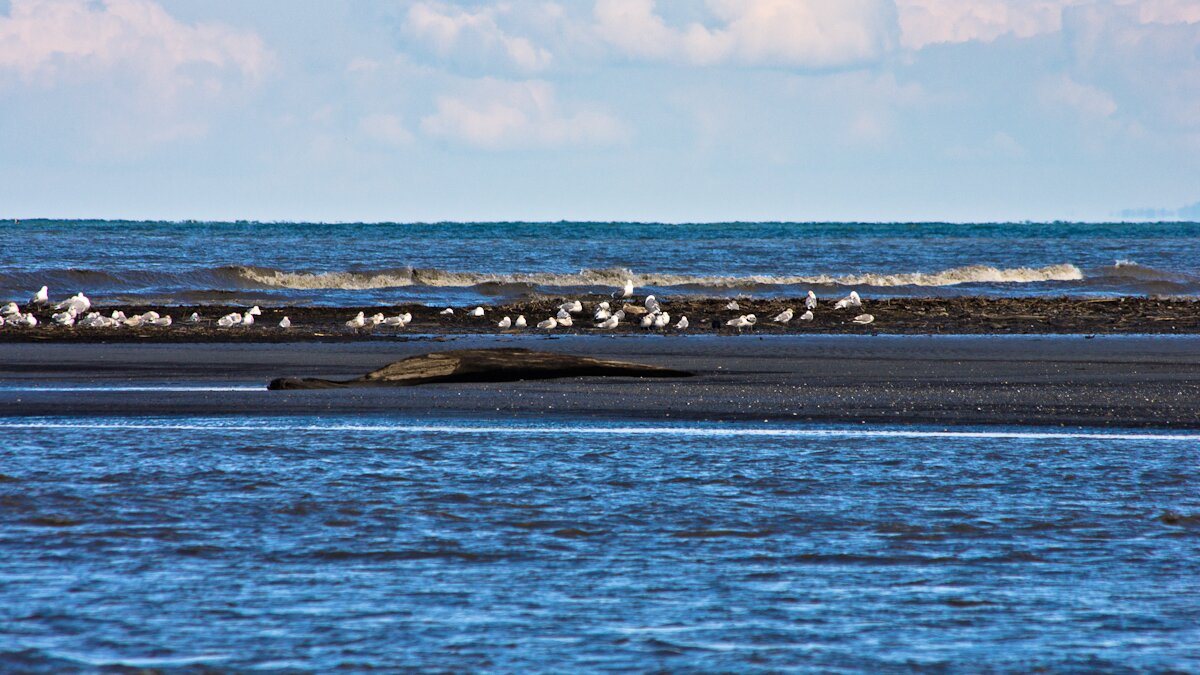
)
(681, 110)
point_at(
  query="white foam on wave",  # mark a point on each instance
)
(617, 277)
(679, 431)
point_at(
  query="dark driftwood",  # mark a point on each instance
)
(483, 365)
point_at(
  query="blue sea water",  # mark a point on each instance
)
(359, 263)
(309, 544)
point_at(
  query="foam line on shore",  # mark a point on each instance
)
(701, 432)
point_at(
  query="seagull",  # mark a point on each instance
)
(400, 320)
(602, 314)
(851, 300)
(574, 307)
(375, 319)
(811, 301)
(64, 318)
(682, 325)
(566, 321)
(520, 322)
(562, 314)
(652, 304)
(163, 321)
(10, 309)
(604, 305)
(625, 292)
(227, 321)
(548, 324)
(134, 321)
(150, 316)
(28, 319)
(247, 319)
(447, 311)
(784, 316)
(739, 323)
(733, 306)
(609, 323)
(42, 297)
(505, 322)
(619, 315)
(77, 304)
(357, 322)
(864, 319)
(478, 311)
(285, 323)
(662, 320)
(118, 315)
(807, 316)
(255, 311)
(195, 317)
(647, 321)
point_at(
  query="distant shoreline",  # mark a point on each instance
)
(971, 315)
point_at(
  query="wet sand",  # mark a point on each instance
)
(1072, 381)
(899, 316)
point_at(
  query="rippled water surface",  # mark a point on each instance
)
(318, 543)
(475, 262)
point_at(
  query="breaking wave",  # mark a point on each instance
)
(365, 280)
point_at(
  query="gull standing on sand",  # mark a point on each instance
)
(195, 317)
(285, 323)
(733, 306)
(811, 301)
(647, 321)
(247, 319)
(477, 312)
(227, 321)
(548, 324)
(864, 319)
(42, 297)
(66, 318)
(254, 311)
(520, 322)
(851, 300)
(625, 292)
(784, 316)
(807, 316)
(448, 311)
(505, 322)
(682, 325)
(662, 320)
(609, 323)
(400, 320)
(76, 304)
(357, 322)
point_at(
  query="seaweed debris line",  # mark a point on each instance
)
(484, 365)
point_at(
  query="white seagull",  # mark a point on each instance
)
(566, 321)
(229, 320)
(864, 319)
(477, 312)
(562, 314)
(811, 301)
(76, 304)
(163, 321)
(625, 292)
(42, 297)
(602, 314)
(733, 306)
(682, 325)
(807, 316)
(254, 311)
(647, 321)
(520, 322)
(247, 319)
(447, 311)
(357, 322)
(574, 307)
(784, 316)
(851, 300)
(506, 322)
(609, 323)
(662, 320)
(10, 309)
(652, 305)
(604, 305)
(548, 324)
(285, 323)
(195, 317)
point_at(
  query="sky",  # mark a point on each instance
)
(667, 110)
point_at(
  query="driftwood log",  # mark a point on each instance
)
(483, 365)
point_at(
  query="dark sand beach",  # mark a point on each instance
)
(1108, 381)
(899, 316)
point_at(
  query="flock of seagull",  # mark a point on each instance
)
(650, 315)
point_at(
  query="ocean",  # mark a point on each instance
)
(469, 263)
(313, 544)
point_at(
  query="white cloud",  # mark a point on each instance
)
(475, 36)
(795, 33)
(496, 114)
(386, 129)
(1088, 100)
(926, 22)
(45, 42)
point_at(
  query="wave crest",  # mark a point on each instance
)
(366, 280)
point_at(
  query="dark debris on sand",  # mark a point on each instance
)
(903, 316)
